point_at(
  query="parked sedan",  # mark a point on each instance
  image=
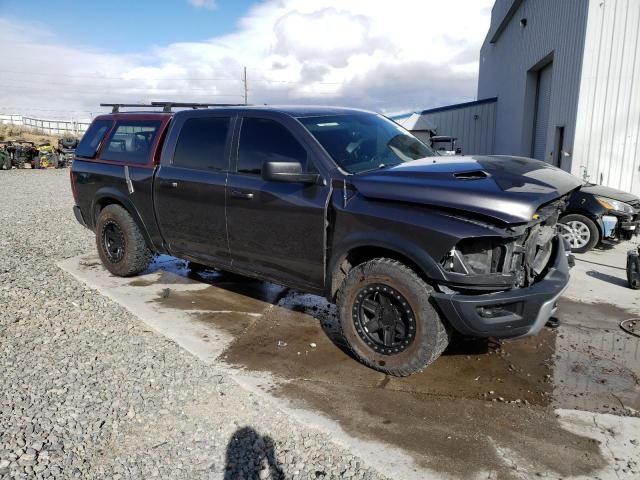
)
(600, 215)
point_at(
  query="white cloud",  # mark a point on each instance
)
(210, 4)
(385, 56)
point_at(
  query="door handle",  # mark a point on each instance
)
(170, 184)
(243, 195)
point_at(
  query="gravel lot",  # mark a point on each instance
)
(89, 392)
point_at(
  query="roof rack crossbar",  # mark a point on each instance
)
(167, 106)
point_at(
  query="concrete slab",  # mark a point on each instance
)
(483, 410)
(600, 277)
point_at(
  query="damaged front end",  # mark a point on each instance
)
(517, 258)
(506, 285)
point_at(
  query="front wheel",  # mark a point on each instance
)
(388, 320)
(581, 232)
(121, 246)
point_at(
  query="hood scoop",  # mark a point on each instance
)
(472, 175)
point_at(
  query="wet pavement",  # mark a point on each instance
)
(481, 405)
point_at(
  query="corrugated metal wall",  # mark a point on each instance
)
(473, 125)
(554, 31)
(607, 139)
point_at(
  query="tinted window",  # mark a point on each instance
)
(90, 142)
(131, 141)
(201, 144)
(365, 141)
(263, 140)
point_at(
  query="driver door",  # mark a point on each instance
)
(276, 229)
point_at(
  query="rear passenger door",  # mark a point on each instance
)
(276, 229)
(190, 189)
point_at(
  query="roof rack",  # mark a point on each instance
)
(167, 106)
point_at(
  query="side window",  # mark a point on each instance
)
(88, 146)
(131, 141)
(263, 140)
(201, 144)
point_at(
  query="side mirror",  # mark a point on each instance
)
(287, 172)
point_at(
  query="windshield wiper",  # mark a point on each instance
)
(380, 167)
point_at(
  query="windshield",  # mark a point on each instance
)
(363, 141)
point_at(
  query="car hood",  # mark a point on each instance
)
(602, 191)
(508, 189)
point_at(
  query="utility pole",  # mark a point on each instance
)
(246, 97)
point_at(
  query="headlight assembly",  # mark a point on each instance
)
(615, 205)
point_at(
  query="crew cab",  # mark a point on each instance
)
(344, 203)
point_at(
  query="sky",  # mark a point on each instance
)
(60, 59)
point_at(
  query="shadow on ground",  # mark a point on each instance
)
(251, 455)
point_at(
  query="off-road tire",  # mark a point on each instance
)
(432, 334)
(36, 163)
(137, 254)
(594, 232)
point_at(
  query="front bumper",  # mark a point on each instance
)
(512, 313)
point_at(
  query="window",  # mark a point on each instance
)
(88, 146)
(363, 141)
(263, 140)
(201, 144)
(131, 142)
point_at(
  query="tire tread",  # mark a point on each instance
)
(425, 355)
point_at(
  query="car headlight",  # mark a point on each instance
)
(616, 205)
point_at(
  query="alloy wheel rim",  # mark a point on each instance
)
(113, 242)
(577, 233)
(384, 319)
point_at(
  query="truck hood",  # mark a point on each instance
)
(508, 189)
(602, 191)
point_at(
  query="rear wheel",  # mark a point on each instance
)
(35, 163)
(120, 243)
(581, 232)
(388, 320)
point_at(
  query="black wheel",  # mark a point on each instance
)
(388, 320)
(581, 232)
(120, 243)
(633, 270)
(36, 163)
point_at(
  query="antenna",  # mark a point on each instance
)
(246, 89)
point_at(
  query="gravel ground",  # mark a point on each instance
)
(89, 392)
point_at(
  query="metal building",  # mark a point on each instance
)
(566, 75)
(472, 123)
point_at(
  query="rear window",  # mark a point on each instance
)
(201, 144)
(88, 146)
(131, 141)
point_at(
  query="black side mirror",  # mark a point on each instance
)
(287, 172)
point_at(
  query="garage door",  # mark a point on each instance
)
(543, 105)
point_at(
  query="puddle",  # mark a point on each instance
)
(479, 399)
(597, 364)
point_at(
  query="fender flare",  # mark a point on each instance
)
(388, 241)
(109, 195)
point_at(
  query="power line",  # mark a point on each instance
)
(100, 77)
(186, 78)
(124, 90)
